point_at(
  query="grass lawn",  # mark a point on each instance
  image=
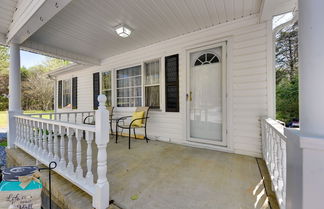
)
(4, 116)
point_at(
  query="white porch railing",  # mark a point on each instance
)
(53, 140)
(72, 117)
(274, 154)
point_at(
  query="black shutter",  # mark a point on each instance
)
(172, 83)
(75, 93)
(59, 94)
(96, 90)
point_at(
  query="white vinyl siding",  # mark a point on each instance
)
(247, 80)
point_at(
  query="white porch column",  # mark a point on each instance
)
(14, 92)
(311, 45)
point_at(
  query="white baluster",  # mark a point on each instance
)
(40, 138)
(89, 176)
(62, 147)
(101, 197)
(30, 135)
(70, 165)
(79, 170)
(284, 170)
(68, 117)
(50, 141)
(24, 133)
(35, 137)
(56, 144)
(17, 130)
(44, 153)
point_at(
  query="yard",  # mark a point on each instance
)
(4, 116)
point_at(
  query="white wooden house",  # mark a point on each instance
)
(205, 67)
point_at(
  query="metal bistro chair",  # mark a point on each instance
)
(90, 119)
(131, 126)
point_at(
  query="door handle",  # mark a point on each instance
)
(190, 97)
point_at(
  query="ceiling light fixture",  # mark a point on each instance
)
(123, 30)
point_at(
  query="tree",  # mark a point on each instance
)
(287, 99)
(37, 88)
(287, 73)
(287, 52)
(54, 63)
(4, 79)
(4, 60)
(37, 91)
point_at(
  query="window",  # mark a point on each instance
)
(67, 93)
(205, 59)
(129, 87)
(152, 84)
(106, 86)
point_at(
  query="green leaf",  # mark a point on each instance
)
(134, 197)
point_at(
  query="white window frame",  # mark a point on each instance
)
(116, 84)
(159, 84)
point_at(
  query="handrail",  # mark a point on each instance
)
(274, 154)
(72, 116)
(57, 113)
(60, 141)
(84, 127)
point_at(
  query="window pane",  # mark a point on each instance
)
(152, 71)
(129, 90)
(107, 93)
(106, 80)
(152, 96)
(106, 86)
(67, 93)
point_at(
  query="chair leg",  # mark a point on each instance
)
(116, 133)
(147, 139)
(111, 129)
(129, 138)
(134, 133)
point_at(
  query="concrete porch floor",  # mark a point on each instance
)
(170, 176)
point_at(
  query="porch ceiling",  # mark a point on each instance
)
(7, 9)
(87, 27)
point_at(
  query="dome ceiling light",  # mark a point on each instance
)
(123, 30)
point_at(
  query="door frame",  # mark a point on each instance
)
(224, 143)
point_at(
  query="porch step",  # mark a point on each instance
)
(65, 195)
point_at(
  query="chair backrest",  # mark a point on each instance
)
(111, 110)
(145, 110)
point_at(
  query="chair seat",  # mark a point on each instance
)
(127, 126)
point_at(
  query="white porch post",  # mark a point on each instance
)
(14, 92)
(311, 45)
(101, 196)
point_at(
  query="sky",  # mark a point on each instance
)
(281, 19)
(28, 59)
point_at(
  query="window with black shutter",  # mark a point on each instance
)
(59, 94)
(96, 90)
(172, 83)
(75, 93)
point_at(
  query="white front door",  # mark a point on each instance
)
(206, 97)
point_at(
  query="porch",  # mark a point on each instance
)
(165, 175)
